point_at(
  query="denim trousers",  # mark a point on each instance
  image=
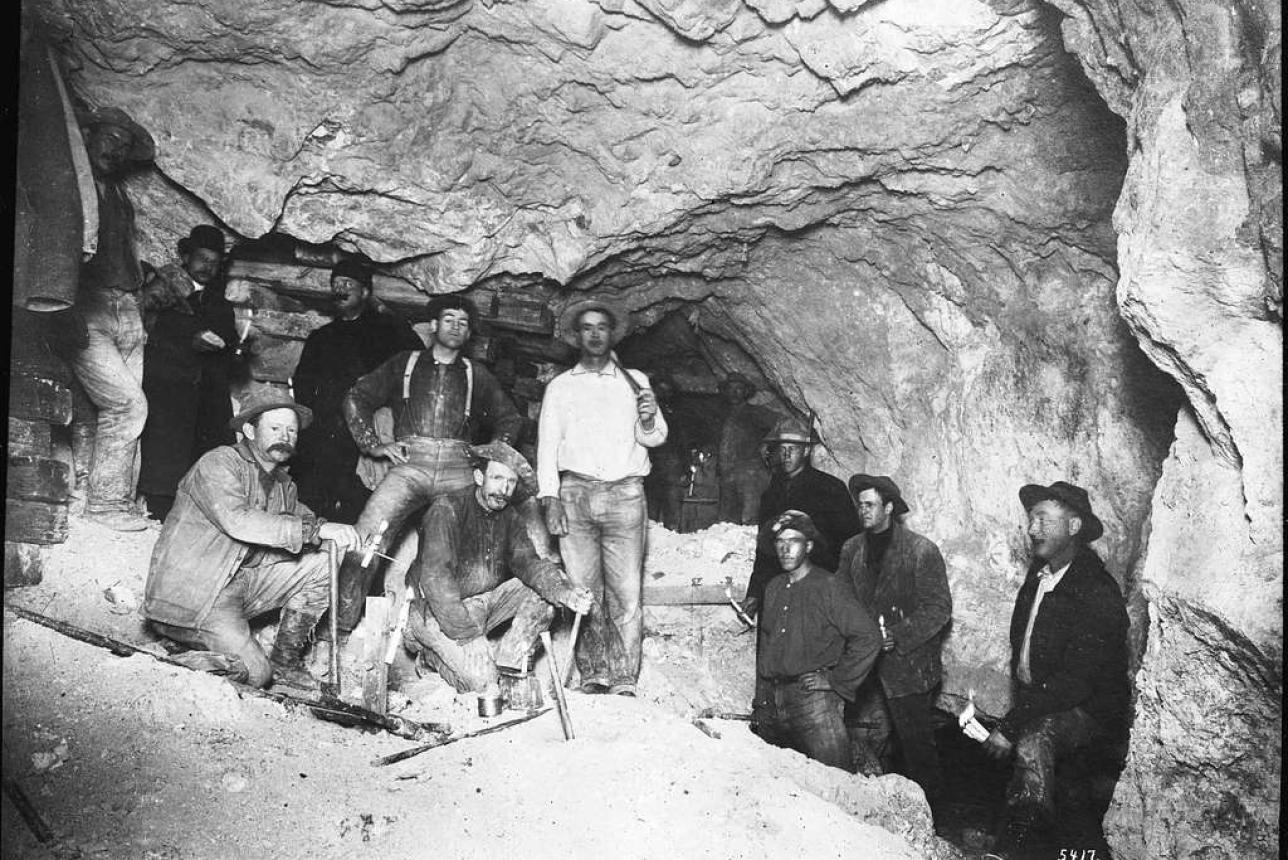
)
(1041, 743)
(808, 721)
(604, 551)
(434, 467)
(528, 613)
(301, 584)
(110, 369)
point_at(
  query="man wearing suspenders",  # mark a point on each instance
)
(438, 397)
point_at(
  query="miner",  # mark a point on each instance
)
(110, 366)
(439, 399)
(797, 485)
(899, 576)
(665, 483)
(597, 422)
(815, 647)
(739, 460)
(186, 366)
(478, 569)
(238, 544)
(1068, 659)
(362, 336)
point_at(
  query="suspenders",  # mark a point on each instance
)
(469, 382)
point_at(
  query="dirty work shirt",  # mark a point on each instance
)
(815, 624)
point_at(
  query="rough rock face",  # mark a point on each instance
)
(900, 212)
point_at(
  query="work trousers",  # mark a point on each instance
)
(604, 551)
(879, 720)
(512, 601)
(434, 467)
(741, 485)
(110, 369)
(808, 721)
(1041, 743)
(300, 584)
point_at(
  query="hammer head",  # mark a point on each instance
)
(373, 543)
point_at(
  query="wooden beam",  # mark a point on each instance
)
(315, 282)
(38, 479)
(684, 595)
(39, 398)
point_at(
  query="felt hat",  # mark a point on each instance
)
(260, 400)
(737, 377)
(142, 147)
(203, 236)
(793, 520)
(1071, 496)
(568, 319)
(350, 268)
(789, 430)
(502, 452)
(888, 489)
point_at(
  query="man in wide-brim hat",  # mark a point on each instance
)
(570, 316)
(1068, 661)
(739, 461)
(238, 544)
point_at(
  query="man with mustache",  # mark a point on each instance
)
(238, 544)
(478, 569)
(363, 335)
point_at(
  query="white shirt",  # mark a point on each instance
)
(589, 425)
(1047, 581)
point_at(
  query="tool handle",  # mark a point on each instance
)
(572, 648)
(564, 719)
(333, 557)
(395, 635)
(630, 380)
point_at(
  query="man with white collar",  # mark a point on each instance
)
(598, 421)
(1069, 658)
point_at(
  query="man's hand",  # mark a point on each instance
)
(344, 535)
(556, 520)
(751, 606)
(395, 452)
(887, 643)
(996, 746)
(579, 599)
(646, 406)
(815, 682)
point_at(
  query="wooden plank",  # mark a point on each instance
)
(39, 398)
(375, 679)
(684, 595)
(23, 564)
(30, 438)
(38, 479)
(315, 282)
(287, 325)
(35, 522)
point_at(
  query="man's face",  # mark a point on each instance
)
(791, 457)
(202, 264)
(347, 294)
(108, 148)
(595, 333)
(874, 514)
(273, 435)
(735, 393)
(792, 548)
(496, 485)
(1052, 528)
(452, 328)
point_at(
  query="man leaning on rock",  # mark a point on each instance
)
(238, 544)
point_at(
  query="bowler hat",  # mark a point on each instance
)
(888, 489)
(737, 378)
(142, 147)
(1071, 496)
(260, 400)
(789, 430)
(501, 452)
(568, 319)
(349, 268)
(203, 236)
(793, 520)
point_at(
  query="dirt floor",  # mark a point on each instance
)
(134, 758)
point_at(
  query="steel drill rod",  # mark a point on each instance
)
(394, 758)
(333, 556)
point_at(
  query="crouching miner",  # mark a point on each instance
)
(238, 544)
(1069, 662)
(816, 646)
(478, 569)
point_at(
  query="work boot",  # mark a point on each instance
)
(288, 651)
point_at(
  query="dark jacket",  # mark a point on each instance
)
(828, 503)
(467, 550)
(1078, 649)
(910, 590)
(226, 508)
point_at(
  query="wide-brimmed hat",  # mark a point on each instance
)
(203, 236)
(737, 378)
(789, 430)
(502, 452)
(568, 319)
(797, 521)
(888, 489)
(1071, 496)
(260, 400)
(142, 147)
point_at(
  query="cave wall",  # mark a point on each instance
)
(919, 218)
